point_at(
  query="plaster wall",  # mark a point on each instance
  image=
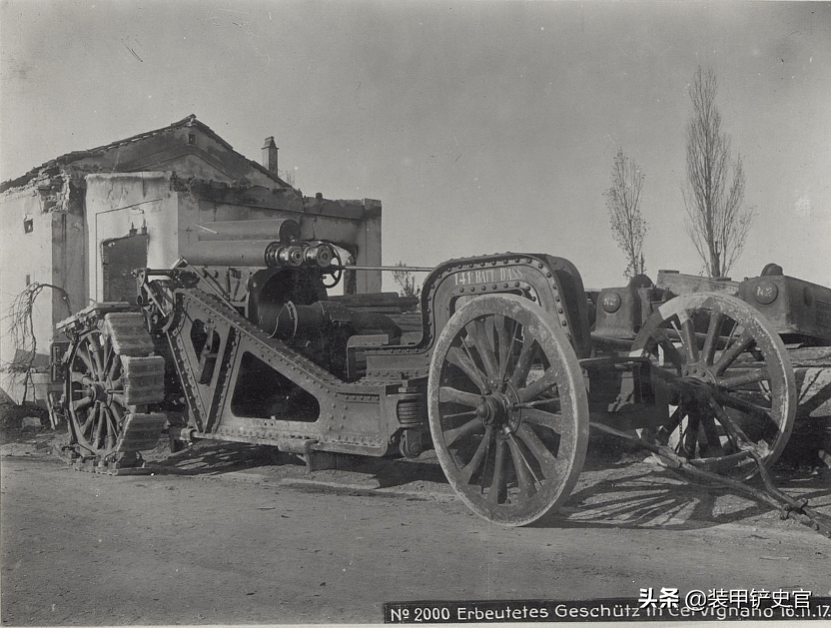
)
(124, 203)
(69, 250)
(25, 258)
(174, 217)
(369, 248)
(354, 225)
(197, 215)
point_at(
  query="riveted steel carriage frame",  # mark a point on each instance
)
(554, 281)
(343, 406)
(367, 416)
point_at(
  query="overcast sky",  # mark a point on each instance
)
(482, 126)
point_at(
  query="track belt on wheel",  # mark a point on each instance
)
(143, 384)
(143, 376)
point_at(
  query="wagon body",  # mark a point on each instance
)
(799, 311)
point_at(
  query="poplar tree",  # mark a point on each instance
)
(623, 202)
(714, 190)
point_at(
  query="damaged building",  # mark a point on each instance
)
(73, 230)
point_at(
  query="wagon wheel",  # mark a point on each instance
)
(95, 393)
(731, 378)
(508, 409)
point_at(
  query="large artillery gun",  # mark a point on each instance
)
(510, 366)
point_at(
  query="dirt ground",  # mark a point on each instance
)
(234, 534)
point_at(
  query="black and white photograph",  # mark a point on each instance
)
(414, 312)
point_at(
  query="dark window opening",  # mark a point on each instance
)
(119, 258)
(261, 392)
(28, 225)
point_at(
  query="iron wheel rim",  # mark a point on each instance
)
(508, 409)
(731, 350)
(95, 394)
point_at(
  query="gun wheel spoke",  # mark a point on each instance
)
(734, 380)
(97, 409)
(518, 455)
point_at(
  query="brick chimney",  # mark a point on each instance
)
(270, 155)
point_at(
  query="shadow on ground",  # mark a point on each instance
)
(618, 485)
(657, 498)
(213, 458)
(216, 458)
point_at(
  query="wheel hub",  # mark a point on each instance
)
(699, 372)
(498, 410)
(693, 391)
(97, 391)
(492, 410)
(697, 383)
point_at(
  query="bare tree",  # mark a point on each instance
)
(718, 225)
(623, 202)
(406, 282)
(22, 332)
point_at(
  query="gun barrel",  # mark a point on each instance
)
(284, 230)
(237, 253)
(240, 243)
(262, 254)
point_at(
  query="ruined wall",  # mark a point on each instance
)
(361, 221)
(176, 215)
(354, 225)
(40, 243)
(83, 221)
(122, 205)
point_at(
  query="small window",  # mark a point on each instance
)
(191, 138)
(28, 225)
(28, 279)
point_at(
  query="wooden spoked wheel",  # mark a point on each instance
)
(731, 381)
(94, 391)
(508, 409)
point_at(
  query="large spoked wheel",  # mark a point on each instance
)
(730, 376)
(95, 393)
(508, 409)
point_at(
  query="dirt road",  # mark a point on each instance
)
(224, 535)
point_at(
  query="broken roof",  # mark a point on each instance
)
(189, 121)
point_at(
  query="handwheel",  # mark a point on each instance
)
(730, 377)
(95, 393)
(508, 409)
(334, 270)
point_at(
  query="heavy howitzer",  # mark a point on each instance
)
(502, 377)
